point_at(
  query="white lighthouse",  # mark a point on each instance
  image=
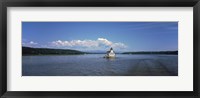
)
(110, 53)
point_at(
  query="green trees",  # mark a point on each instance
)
(47, 51)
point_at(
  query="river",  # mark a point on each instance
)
(96, 65)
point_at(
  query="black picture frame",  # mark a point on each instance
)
(98, 3)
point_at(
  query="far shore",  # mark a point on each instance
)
(29, 51)
(87, 54)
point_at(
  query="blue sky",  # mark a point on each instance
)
(86, 36)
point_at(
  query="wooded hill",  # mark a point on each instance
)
(48, 51)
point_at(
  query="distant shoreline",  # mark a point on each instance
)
(29, 51)
(48, 51)
(90, 54)
(153, 52)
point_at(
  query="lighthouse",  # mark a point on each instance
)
(110, 53)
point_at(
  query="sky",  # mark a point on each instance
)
(93, 36)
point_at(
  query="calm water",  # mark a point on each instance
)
(96, 65)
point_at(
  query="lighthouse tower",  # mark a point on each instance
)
(110, 53)
(111, 50)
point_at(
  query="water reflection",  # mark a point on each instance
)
(110, 59)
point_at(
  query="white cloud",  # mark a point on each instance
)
(82, 43)
(104, 41)
(119, 45)
(33, 43)
(100, 43)
(29, 44)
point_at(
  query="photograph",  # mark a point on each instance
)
(101, 48)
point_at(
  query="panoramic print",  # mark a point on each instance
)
(99, 48)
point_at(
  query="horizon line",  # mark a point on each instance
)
(101, 50)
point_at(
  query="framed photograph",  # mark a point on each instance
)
(131, 48)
